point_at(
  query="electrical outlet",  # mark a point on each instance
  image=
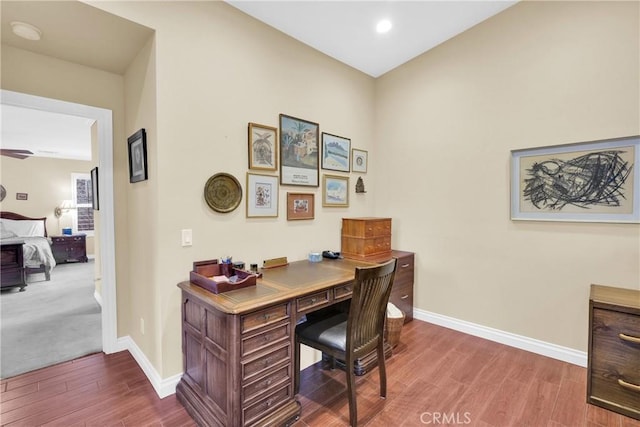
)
(142, 326)
(187, 237)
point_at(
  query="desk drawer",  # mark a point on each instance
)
(313, 301)
(404, 270)
(266, 338)
(615, 359)
(342, 291)
(251, 368)
(264, 317)
(260, 409)
(268, 382)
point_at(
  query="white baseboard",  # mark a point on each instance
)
(163, 387)
(167, 386)
(98, 298)
(554, 351)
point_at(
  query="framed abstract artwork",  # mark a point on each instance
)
(262, 196)
(298, 152)
(263, 147)
(595, 181)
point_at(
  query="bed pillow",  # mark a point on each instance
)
(6, 234)
(25, 228)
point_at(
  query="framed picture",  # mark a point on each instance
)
(22, 196)
(95, 197)
(335, 191)
(263, 147)
(138, 156)
(300, 206)
(298, 152)
(596, 181)
(262, 196)
(359, 161)
(336, 152)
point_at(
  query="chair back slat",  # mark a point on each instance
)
(368, 306)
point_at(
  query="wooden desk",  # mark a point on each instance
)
(238, 346)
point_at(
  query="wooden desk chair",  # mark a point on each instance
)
(353, 335)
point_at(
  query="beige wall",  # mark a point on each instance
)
(47, 183)
(217, 70)
(540, 73)
(438, 131)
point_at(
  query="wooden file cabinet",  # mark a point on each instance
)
(363, 238)
(69, 248)
(613, 377)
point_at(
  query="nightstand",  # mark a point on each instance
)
(69, 248)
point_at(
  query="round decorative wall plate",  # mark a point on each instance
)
(3, 192)
(223, 192)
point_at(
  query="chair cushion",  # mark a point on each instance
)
(331, 331)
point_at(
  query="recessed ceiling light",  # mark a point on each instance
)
(26, 31)
(383, 26)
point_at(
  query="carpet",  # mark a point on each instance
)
(51, 321)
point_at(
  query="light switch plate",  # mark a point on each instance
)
(187, 237)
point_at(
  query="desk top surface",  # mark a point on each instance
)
(280, 284)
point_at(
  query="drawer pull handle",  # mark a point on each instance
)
(266, 316)
(313, 300)
(625, 337)
(630, 386)
(404, 297)
(405, 265)
(267, 337)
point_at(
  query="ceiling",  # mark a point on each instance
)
(345, 30)
(74, 32)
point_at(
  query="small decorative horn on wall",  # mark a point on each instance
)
(16, 154)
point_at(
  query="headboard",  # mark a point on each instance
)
(18, 217)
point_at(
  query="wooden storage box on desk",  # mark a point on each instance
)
(204, 271)
(366, 237)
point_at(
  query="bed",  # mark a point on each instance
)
(37, 254)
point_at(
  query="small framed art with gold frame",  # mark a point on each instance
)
(263, 147)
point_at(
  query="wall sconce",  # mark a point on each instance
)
(64, 207)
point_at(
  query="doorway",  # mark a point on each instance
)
(104, 125)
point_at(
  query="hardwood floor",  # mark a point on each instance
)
(435, 377)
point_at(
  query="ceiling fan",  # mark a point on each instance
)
(16, 154)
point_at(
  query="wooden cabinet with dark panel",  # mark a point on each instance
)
(613, 377)
(12, 265)
(69, 248)
(241, 365)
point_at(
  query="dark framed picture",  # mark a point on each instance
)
(263, 147)
(22, 196)
(336, 152)
(95, 197)
(300, 206)
(298, 152)
(138, 156)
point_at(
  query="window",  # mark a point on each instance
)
(82, 197)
